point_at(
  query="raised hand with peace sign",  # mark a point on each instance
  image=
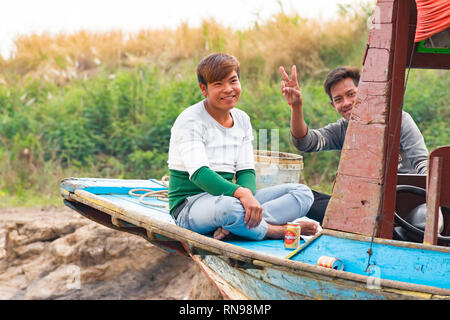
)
(290, 88)
(293, 95)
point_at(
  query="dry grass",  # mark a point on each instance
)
(283, 40)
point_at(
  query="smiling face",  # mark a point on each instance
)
(343, 95)
(222, 95)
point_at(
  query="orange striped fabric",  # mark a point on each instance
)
(433, 16)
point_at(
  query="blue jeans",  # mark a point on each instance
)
(204, 213)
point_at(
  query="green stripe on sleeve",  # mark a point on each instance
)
(247, 179)
(213, 183)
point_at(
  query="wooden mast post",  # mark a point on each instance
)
(363, 197)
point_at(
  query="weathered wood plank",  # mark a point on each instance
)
(397, 76)
(362, 155)
(384, 12)
(380, 36)
(376, 65)
(370, 109)
(433, 197)
(356, 204)
(374, 88)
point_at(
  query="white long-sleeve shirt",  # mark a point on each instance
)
(198, 140)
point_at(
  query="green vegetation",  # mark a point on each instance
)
(89, 105)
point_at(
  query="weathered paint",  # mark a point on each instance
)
(433, 199)
(438, 191)
(132, 202)
(115, 196)
(92, 212)
(276, 284)
(412, 265)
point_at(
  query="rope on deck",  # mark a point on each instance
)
(162, 195)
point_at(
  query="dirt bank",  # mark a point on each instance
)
(55, 253)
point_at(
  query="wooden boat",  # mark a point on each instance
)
(366, 207)
(244, 269)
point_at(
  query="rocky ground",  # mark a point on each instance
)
(55, 253)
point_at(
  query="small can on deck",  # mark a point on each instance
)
(330, 262)
(292, 235)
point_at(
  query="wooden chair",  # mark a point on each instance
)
(438, 190)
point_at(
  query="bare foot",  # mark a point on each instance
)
(275, 232)
(309, 228)
(220, 233)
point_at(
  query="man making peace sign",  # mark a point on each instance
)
(341, 85)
